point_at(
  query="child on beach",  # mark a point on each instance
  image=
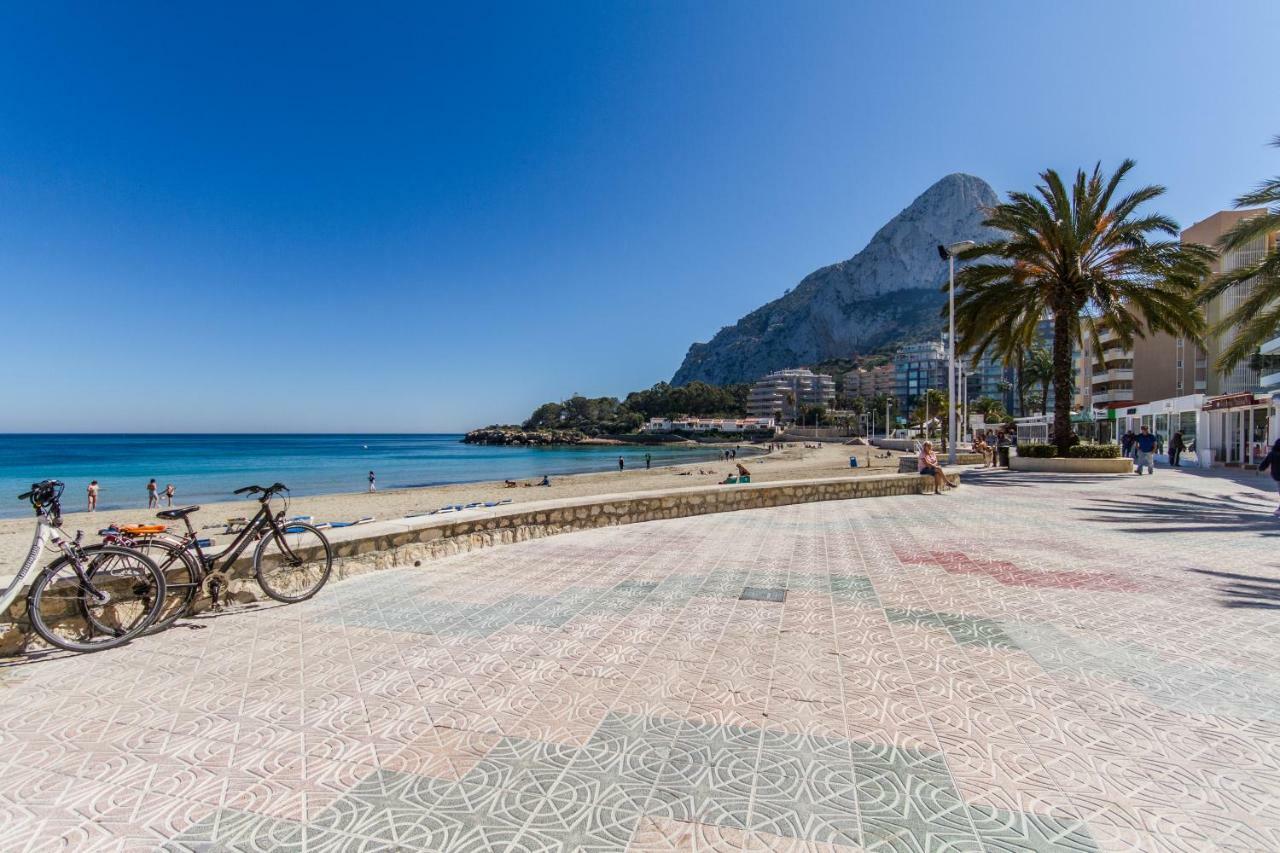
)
(168, 494)
(93, 496)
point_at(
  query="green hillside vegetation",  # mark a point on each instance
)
(595, 416)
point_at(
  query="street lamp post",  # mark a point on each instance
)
(948, 254)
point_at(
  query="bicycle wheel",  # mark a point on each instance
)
(182, 576)
(67, 614)
(293, 565)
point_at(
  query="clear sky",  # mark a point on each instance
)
(313, 217)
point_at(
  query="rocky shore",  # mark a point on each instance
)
(510, 435)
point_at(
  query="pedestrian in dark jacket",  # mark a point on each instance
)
(1126, 443)
(1271, 462)
(1176, 446)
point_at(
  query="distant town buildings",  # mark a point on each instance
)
(659, 425)
(789, 392)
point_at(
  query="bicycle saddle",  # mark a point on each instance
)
(171, 514)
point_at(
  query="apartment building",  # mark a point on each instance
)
(1163, 366)
(869, 382)
(916, 369)
(789, 392)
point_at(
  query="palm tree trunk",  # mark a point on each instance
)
(1022, 388)
(1062, 322)
(1044, 398)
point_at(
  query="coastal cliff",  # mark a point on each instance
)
(888, 293)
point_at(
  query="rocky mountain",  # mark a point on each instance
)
(886, 294)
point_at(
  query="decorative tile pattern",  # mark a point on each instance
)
(900, 674)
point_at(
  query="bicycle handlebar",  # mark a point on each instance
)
(266, 493)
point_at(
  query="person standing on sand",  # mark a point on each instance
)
(168, 494)
(621, 463)
(373, 486)
(153, 501)
(93, 496)
(648, 461)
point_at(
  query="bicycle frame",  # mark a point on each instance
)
(10, 592)
(263, 521)
(46, 529)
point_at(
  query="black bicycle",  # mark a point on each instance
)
(291, 562)
(90, 598)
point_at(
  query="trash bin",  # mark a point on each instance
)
(1003, 457)
(853, 462)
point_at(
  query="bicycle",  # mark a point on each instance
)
(91, 598)
(291, 562)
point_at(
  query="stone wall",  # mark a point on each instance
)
(409, 541)
(1067, 465)
(910, 464)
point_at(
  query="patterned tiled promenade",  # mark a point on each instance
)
(1033, 662)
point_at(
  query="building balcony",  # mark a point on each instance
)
(1271, 347)
(1115, 395)
(1115, 374)
(1270, 381)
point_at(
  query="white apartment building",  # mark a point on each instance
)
(789, 392)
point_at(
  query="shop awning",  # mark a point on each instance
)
(1241, 400)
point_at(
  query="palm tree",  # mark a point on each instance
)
(1037, 369)
(1258, 316)
(1081, 258)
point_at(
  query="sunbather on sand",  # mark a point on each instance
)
(511, 484)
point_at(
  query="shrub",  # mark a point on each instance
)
(1095, 451)
(1038, 451)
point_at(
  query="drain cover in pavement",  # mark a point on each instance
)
(755, 593)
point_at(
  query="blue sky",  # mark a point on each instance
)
(271, 217)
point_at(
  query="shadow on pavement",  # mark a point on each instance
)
(1247, 590)
(1004, 478)
(1187, 512)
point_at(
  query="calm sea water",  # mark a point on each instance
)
(211, 467)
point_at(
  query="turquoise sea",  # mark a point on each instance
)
(210, 467)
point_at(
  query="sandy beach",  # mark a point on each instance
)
(794, 461)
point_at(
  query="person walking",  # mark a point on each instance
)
(93, 496)
(1176, 446)
(1271, 462)
(648, 461)
(153, 500)
(1126, 443)
(169, 492)
(1144, 448)
(622, 463)
(373, 482)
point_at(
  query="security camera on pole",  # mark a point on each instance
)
(948, 254)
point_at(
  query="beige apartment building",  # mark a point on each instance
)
(1163, 366)
(869, 383)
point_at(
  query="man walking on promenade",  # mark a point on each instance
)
(1144, 449)
(1176, 447)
